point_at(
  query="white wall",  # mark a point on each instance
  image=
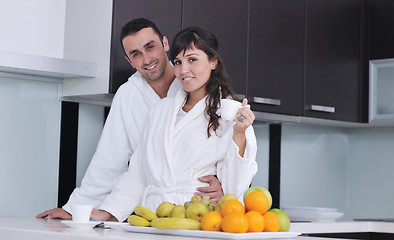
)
(371, 173)
(30, 110)
(33, 27)
(314, 167)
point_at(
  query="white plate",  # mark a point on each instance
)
(72, 224)
(210, 234)
(315, 209)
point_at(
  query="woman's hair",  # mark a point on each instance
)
(218, 83)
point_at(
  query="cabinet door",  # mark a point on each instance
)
(381, 29)
(276, 56)
(228, 20)
(165, 14)
(333, 59)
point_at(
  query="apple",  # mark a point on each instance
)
(226, 197)
(197, 211)
(283, 218)
(164, 209)
(261, 189)
(179, 211)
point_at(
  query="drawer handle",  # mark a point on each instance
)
(268, 101)
(320, 108)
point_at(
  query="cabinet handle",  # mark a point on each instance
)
(268, 101)
(319, 108)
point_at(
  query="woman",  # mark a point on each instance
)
(186, 138)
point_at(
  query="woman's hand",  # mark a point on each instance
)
(101, 215)
(245, 117)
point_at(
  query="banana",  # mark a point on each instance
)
(145, 213)
(176, 223)
(138, 221)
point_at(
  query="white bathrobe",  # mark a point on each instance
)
(120, 137)
(171, 157)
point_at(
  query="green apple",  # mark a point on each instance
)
(196, 211)
(226, 197)
(283, 218)
(261, 189)
(164, 209)
(179, 211)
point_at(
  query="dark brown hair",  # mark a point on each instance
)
(218, 83)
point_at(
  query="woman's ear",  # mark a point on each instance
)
(214, 63)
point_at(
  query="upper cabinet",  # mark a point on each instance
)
(381, 24)
(333, 67)
(305, 58)
(276, 56)
(228, 19)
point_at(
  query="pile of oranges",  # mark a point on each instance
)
(234, 217)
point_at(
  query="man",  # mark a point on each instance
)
(145, 49)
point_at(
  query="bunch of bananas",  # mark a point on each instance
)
(170, 216)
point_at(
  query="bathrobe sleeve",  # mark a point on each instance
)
(235, 172)
(110, 159)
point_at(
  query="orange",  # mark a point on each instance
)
(256, 221)
(232, 206)
(212, 221)
(235, 223)
(257, 201)
(272, 223)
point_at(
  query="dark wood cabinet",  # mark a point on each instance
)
(276, 56)
(165, 14)
(228, 20)
(381, 22)
(333, 60)
(306, 58)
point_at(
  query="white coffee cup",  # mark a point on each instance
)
(229, 109)
(81, 213)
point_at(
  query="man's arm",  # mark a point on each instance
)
(55, 213)
(214, 190)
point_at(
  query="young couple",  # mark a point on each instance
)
(181, 138)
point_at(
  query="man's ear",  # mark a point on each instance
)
(165, 44)
(129, 61)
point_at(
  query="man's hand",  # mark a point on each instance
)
(214, 190)
(55, 213)
(101, 215)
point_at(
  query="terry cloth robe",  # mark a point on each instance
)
(171, 157)
(121, 135)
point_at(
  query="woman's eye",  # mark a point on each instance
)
(192, 60)
(177, 62)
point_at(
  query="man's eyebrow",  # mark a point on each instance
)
(149, 43)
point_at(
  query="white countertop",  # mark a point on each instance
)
(342, 227)
(30, 228)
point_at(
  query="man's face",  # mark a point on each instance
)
(146, 53)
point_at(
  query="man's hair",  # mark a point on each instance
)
(137, 25)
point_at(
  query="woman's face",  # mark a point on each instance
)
(193, 69)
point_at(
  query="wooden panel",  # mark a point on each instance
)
(333, 58)
(276, 54)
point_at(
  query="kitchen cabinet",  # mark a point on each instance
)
(333, 68)
(165, 14)
(381, 24)
(276, 56)
(228, 20)
(305, 58)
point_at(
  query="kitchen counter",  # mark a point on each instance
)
(343, 227)
(30, 228)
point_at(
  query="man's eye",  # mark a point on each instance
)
(135, 55)
(149, 47)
